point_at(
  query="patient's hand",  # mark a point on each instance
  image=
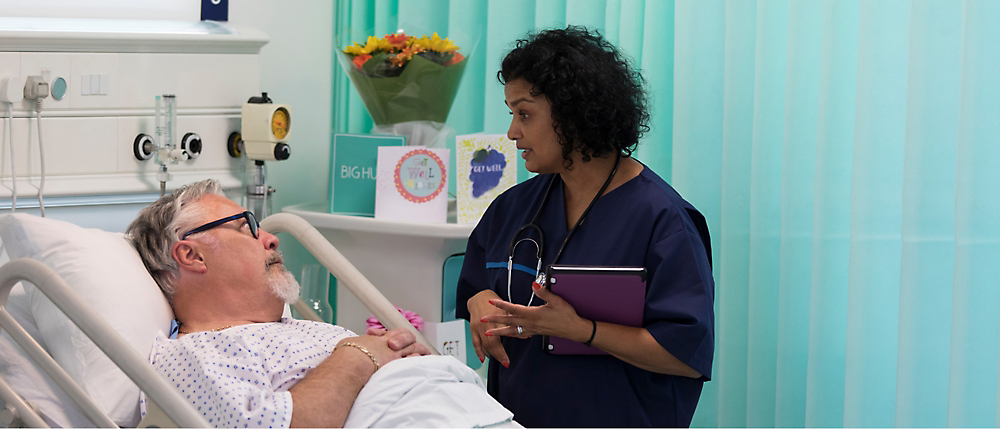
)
(325, 395)
(399, 342)
(387, 346)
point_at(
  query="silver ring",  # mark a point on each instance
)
(520, 330)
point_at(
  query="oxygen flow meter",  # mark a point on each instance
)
(265, 130)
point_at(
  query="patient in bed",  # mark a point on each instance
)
(235, 358)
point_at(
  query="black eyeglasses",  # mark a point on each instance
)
(251, 223)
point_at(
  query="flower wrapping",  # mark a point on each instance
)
(402, 78)
(413, 318)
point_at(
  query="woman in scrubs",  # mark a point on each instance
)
(578, 110)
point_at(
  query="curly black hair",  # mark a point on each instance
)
(599, 103)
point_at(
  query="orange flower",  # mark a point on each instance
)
(455, 59)
(406, 55)
(398, 41)
(361, 59)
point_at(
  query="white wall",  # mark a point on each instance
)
(296, 69)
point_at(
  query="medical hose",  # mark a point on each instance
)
(41, 155)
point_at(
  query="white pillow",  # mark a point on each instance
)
(106, 272)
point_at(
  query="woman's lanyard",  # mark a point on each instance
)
(540, 244)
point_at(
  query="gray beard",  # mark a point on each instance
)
(282, 284)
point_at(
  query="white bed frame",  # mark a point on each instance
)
(166, 407)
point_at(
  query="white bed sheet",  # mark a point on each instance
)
(427, 391)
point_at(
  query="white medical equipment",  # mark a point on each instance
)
(166, 150)
(58, 243)
(265, 130)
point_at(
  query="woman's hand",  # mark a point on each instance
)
(557, 317)
(479, 309)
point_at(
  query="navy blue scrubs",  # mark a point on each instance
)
(643, 222)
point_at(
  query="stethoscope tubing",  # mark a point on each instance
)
(540, 244)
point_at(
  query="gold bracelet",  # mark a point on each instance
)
(363, 350)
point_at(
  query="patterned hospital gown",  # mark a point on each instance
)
(239, 377)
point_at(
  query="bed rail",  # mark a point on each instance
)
(156, 387)
(343, 270)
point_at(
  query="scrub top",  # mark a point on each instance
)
(643, 222)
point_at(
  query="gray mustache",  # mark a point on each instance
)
(274, 258)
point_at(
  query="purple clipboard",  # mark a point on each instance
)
(604, 294)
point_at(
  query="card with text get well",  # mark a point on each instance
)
(412, 184)
(486, 167)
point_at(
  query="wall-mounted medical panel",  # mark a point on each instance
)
(95, 82)
(48, 65)
(110, 79)
(198, 80)
(72, 146)
(78, 147)
(214, 130)
(132, 81)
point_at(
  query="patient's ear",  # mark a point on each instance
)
(188, 257)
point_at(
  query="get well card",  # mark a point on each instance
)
(486, 166)
(412, 184)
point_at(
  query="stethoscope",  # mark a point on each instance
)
(540, 244)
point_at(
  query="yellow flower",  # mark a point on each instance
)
(435, 43)
(354, 49)
(375, 44)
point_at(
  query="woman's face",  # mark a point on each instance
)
(531, 128)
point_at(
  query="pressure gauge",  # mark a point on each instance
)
(266, 122)
(279, 123)
(266, 128)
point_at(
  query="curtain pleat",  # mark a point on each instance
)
(844, 153)
(928, 253)
(657, 18)
(831, 215)
(550, 14)
(694, 166)
(801, 112)
(973, 398)
(765, 209)
(465, 25)
(732, 264)
(876, 215)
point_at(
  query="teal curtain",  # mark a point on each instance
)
(845, 154)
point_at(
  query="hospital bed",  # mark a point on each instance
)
(85, 260)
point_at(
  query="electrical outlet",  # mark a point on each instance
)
(36, 88)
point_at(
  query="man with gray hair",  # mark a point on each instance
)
(236, 359)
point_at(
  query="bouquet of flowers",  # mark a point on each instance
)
(404, 78)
